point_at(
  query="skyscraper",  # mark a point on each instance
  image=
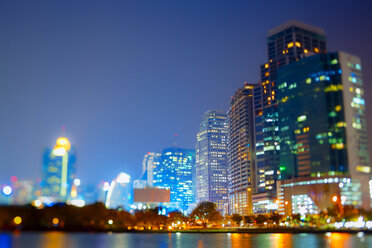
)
(241, 154)
(286, 44)
(150, 162)
(58, 170)
(322, 119)
(175, 173)
(211, 159)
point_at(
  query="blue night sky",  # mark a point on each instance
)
(126, 76)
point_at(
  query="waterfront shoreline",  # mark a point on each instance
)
(203, 230)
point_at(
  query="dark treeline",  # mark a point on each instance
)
(95, 217)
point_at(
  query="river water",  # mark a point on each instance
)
(164, 240)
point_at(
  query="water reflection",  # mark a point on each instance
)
(281, 240)
(337, 240)
(55, 240)
(200, 240)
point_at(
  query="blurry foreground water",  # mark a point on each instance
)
(70, 240)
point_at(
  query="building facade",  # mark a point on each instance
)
(58, 171)
(311, 195)
(175, 173)
(241, 153)
(150, 162)
(330, 137)
(211, 159)
(286, 44)
(120, 192)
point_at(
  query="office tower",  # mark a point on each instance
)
(58, 171)
(175, 173)
(120, 192)
(150, 161)
(286, 44)
(211, 159)
(241, 154)
(322, 119)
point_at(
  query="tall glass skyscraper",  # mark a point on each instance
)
(241, 155)
(322, 121)
(211, 159)
(150, 162)
(175, 173)
(58, 170)
(286, 44)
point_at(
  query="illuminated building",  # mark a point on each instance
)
(323, 128)
(264, 203)
(310, 195)
(150, 161)
(102, 189)
(23, 192)
(139, 184)
(120, 192)
(58, 171)
(6, 195)
(211, 159)
(286, 44)
(175, 173)
(241, 157)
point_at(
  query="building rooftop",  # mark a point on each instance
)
(295, 23)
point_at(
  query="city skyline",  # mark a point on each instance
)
(92, 126)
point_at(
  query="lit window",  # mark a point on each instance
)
(301, 118)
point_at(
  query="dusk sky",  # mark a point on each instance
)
(125, 76)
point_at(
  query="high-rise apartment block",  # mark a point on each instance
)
(211, 159)
(241, 154)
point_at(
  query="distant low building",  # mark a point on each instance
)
(264, 203)
(314, 194)
(151, 198)
(23, 192)
(149, 164)
(151, 195)
(120, 192)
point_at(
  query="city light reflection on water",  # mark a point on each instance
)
(200, 240)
